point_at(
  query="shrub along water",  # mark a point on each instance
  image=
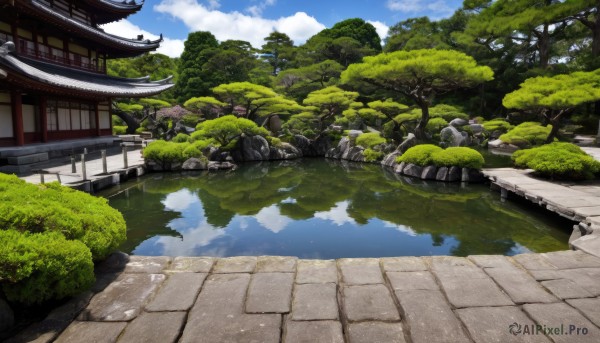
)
(54, 233)
(429, 154)
(527, 134)
(558, 160)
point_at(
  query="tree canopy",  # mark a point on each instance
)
(555, 97)
(419, 75)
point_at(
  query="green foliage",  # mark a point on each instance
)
(164, 152)
(497, 124)
(527, 134)
(435, 125)
(462, 157)
(447, 112)
(225, 130)
(555, 93)
(420, 155)
(369, 140)
(119, 130)
(274, 141)
(358, 29)
(52, 207)
(181, 138)
(192, 150)
(428, 154)
(279, 49)
(371, 155)
(199, 48)
(154, 103)
(558, 161)
(36, 267)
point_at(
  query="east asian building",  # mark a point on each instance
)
(53, 80)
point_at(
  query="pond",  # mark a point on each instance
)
(319, 208)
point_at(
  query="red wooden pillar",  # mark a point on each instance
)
(17, 107)
(97, 117)
(44, 118)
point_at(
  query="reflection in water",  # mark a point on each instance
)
(315, 208)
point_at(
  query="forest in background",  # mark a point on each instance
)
(517, 39)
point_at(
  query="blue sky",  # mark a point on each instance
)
(252, 20)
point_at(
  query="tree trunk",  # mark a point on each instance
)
(555, 122)
(420, 129)
(543, 44)
(132, 123)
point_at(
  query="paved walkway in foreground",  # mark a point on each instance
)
(94, 169)
(283, 299)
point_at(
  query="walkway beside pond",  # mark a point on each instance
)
(94, 170)
(530, 297)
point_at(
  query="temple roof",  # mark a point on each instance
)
(120, 47)
(107, 10)
(41, 75)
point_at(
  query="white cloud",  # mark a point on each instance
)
(235, 25)
(338, 214)
(257, 10)
(212, 4)
(404, 229)
(180, 200)
(271, 219)
(125, 29)
(439, 7)
(381, 28)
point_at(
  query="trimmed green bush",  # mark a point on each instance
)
(273, 141)
(225, 130)
(458, 156)
(165, 152)
(181, 138)
(435, 125)
(119, 130)
(420, 155)
(429, 154)
(558, 160)
(371, 155)
(43, 266)
(527, 134)
(369, 140)
(497, 124)
(51, 207)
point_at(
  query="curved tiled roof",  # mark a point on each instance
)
(133, 46)
(113, 10)
(75, 80)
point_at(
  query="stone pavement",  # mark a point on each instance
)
(540, 297)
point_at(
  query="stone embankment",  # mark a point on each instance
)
(284, 299)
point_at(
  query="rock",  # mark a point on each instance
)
(304, 145)
(458, 122)
(274, 123)
(336, 128)
(285, 151)
(409, 142)
(226, 165)
(412, 170)
(7, 317)
(254, 148)
(214, 165)
(400, 168)
(429, 173)
(352, 134)
(195, 164)
(389, 160)
(451, 137)
(341, 148)
(454, 174)
(496, 143)
(442, 174)
(354, 154)
(464, 175)
(476, 128)
(321, 145)
(153, 166)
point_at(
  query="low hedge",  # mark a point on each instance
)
(497, 124)
(50, 237)
(43, 266)
(181, 138)
(429, 154)
(165, 152)
(369, 139)
(527, 134)
(371, 155)
(119, 130)
(564, 161)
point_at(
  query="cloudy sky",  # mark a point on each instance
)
(252, 20)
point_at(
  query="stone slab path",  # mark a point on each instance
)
(550, 297)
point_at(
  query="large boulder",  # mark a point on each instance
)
(412, 170)
(429, 173)
(458, 122)
(254, 148)
(442, 174)
(285, 151)
(339, 150)
(450, 136)
(454, 174)
(389, 160)
(195, 164)
(409, 142)
(304, 145)
(322, 144)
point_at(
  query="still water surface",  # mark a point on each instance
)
(318, 208)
